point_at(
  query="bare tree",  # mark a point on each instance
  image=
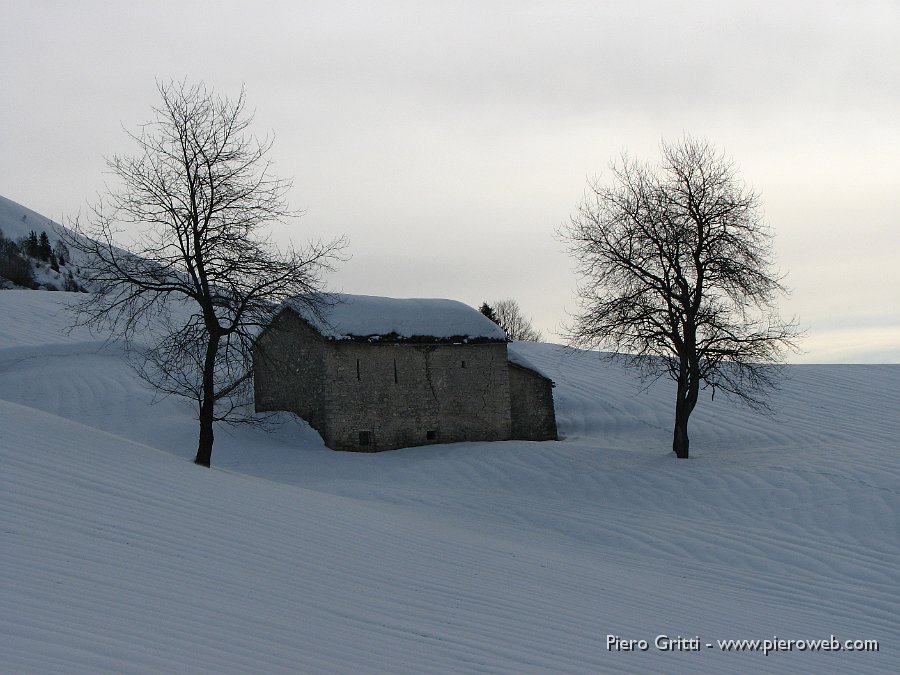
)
(198, 279)
(675, 277)
(508, 315)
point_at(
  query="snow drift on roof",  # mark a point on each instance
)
(514, 355)
(364, 316)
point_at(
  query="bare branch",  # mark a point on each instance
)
(191, 289)
(674, 262)
(508, 315)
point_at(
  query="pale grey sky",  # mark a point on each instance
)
(449, 140)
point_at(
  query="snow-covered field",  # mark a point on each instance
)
(119, 555)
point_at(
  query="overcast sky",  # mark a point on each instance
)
(449, 140)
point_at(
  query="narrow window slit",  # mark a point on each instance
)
(357, 370)
(395, 371)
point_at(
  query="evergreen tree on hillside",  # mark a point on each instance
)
(44, 250)
(13, 265)
(29, 244)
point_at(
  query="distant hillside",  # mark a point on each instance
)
(31, 253)
(16, 220)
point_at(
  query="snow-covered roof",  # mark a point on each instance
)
(515, 356)
(345, 317)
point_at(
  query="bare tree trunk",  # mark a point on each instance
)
(680, 440)
(688, 393)
(207, 404)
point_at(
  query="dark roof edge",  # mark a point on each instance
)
(532, 370)
(393, 338)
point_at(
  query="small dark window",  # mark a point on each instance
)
(463, 364)
(357, 370)
(395, 371)
(363, 437)
(431, 435)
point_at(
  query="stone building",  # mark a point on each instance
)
(374, 374)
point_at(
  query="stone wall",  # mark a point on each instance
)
(289, 369)
(384, 396)
(378, 396)
(533, 416)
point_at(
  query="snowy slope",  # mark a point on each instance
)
(119, 555)
(17, 221)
